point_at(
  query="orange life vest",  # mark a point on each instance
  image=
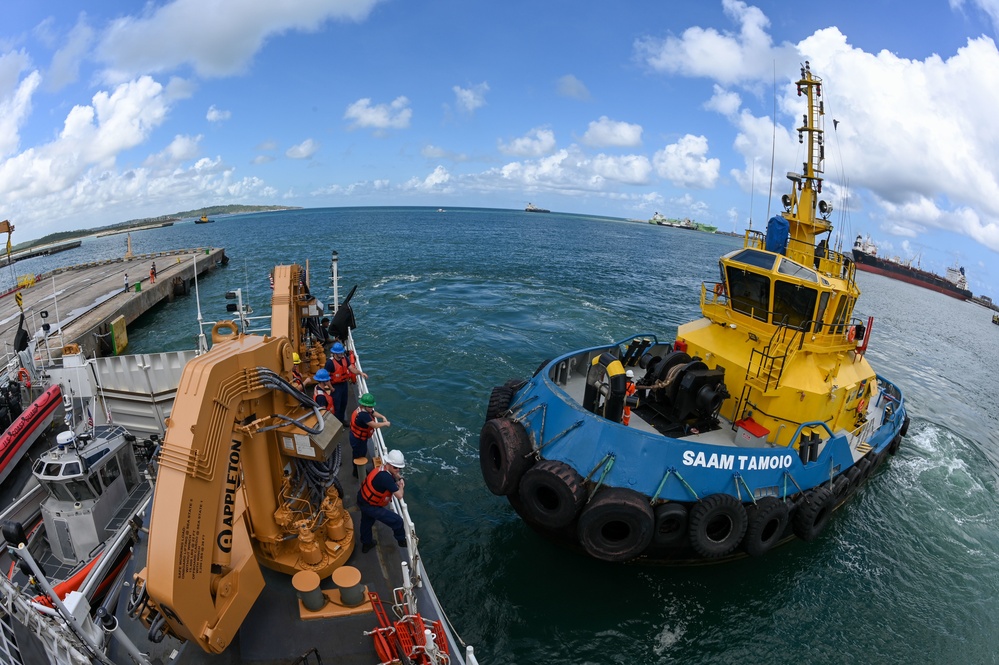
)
(361, 432)
(628, 392)
(341, 369)
(317, 391)
(370, 494)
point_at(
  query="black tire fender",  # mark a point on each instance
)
(905, 426)
(504, 455)
(499, 402)
(616, 525)
(767, 521)
(895, 443)
(552, 493)
(670, 525)
(811, 518)
(717, 525)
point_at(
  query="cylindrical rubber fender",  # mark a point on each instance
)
(670, 526)
(814, 512)
(864, 464)
(767, 521)
(499, 402)
(717, 525)
(552, 493)
(504, 455)
(905, 426)
(895, 443)
(616, 525)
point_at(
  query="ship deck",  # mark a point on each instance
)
(273, 632)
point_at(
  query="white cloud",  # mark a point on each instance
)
(726, 57)
(571, 87)
(469, 99)
(15, 100)
(214, 38)
(217, 115)
(380, 116)
(437, 152)
(303, 150)
(65, 66)
(437, 181)
(724, 101)
(537, 142)
(684, 164)
(91, 138)
(604, 133)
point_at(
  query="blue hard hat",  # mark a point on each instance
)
(337, 348)
(322, 376)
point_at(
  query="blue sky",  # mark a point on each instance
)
(115, 112)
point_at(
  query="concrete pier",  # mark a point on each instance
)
(83, 300)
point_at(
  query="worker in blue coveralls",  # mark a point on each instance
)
(376, 492)
(343, 371)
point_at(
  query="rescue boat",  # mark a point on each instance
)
(26, 426)
(746, 430)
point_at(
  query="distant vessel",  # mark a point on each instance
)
(533, 208)
(204, 220)
(955, 284)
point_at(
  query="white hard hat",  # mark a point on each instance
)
(396, 459)
(629, 374)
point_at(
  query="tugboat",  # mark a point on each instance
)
(204, 220)
(749, 428)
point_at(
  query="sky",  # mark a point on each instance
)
(114, 111)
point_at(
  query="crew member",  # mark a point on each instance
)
(376, 491)
(343, 371)
(322, 394)
(629, 390)
(152, 273)
(297, 379)
(363, 423)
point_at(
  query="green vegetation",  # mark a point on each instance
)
(136, 223)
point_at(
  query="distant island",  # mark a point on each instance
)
(147, 222)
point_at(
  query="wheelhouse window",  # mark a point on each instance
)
(750, 292)
(794, 304)
(755, 258)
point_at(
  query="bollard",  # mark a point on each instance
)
(306, 583)
(348, 580)
(360, 463)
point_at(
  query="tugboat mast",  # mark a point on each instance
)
(800, 206)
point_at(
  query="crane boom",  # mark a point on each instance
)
(237, 485)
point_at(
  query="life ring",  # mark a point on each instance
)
(670, 525)
(616, 525)
(606, 367)
(24, 377)
(767, 521)
(813, 514)
(717, 525)
(219, 336)
(504, 455)
(552, 493)
(720, 289)
(499, 402)
(851, 333)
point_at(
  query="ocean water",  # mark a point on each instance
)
(451, 304)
